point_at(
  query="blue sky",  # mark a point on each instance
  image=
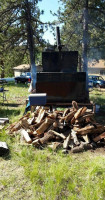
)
(48, 5)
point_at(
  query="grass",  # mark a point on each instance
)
(16, 96)
(29, 173)
(98, 96)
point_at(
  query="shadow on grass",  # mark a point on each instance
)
(4, 112)
(98, 100)
(101, 101)
(11, 104)
(19, 85)
(100, 115)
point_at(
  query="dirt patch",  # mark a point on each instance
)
(99, 151)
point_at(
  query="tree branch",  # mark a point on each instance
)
(97, 9)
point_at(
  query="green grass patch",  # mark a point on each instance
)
(98, 97)
(16, 97)
(57, 176)
(29, 173)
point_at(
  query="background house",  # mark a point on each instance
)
(96, 67)
(25, 68)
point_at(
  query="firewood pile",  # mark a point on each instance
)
(73, 129)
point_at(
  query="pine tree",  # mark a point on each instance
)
(72, 18)
(20, 23)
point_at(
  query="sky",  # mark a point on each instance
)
(48, 5)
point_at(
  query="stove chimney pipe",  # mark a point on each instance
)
(59, 46)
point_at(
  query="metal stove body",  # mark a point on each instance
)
(60, 79)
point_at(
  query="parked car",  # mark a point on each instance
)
(27, 74)
(22, 79)
(90, 84)
(97, 81)
(7, 79)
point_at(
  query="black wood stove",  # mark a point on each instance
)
(60, 79)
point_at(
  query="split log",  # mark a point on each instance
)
(44, 126)
(66, 142)
(61, 135)
(73, 120)
(29, 131)
(87, 146)
(88, 118)
(71, 144)
(38, 124)
(34, 133)
(91, 129)
(86, 138)
(68, 128)
(75, 105)
(66, 111)
(40, 115)
(16, 127)
(69, 116)
(83, 110)
(51, 127)
(76, 127)
(22, 140)
(55, 124)
(58, 124)
(74, 136)
(11, 126)
(77, 149)
(47, 137)
(53, 115)
(24, 123)
(25, 116)
(36, 143)
(26, 136)
(36, 111)
(55, 145)
(80, 112)
(99, 137)
(81, 148)
(30, 120)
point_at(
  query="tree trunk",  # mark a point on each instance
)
(85, 41)
(30, 43)
(2, 69)
(79, 63)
